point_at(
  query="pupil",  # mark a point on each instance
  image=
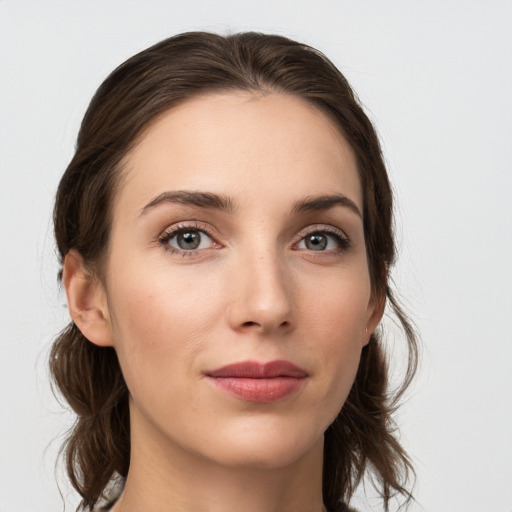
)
(189, 240)
(316, 242)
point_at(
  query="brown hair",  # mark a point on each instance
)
(363, 436)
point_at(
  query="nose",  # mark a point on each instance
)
(263, 295)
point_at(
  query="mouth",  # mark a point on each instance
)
(258, 382)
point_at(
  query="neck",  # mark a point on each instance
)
(175, 480)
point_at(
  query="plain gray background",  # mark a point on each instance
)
(436, 78)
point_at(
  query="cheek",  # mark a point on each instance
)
(338, 317)
(159, 327)
(339, 307)
(161, 302)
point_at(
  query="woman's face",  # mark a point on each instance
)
(236, 280)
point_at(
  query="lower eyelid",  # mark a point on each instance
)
(341, 240)
(175, 234)
(173, 231)
(341, 244)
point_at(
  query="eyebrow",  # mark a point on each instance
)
(191, 198)
(220, 202)
(319, 203)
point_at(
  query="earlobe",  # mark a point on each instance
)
(375, 313)
(87, 301)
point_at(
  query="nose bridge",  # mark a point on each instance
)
(263, 289)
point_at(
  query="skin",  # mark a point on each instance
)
(253, 290)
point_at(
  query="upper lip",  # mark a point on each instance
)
(256, 370)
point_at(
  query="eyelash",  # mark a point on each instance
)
(163, 240)
(339, 237)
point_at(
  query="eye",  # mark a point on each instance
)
(323, 241)
(187, 239)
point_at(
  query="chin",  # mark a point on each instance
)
(266, 448)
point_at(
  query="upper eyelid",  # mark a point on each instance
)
(172, 231)
(322, 228)
(190, 225)
(212, 233)
(204, 226)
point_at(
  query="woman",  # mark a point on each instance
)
(225, 229)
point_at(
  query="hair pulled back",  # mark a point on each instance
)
(363, 435)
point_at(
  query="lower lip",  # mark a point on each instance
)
(258, 390)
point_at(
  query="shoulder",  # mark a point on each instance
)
(346, 508)
(110, 494)
(343, 508)
(105, 504)
(104, 507)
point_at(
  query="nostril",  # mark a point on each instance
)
(257, 324)
(251, 323)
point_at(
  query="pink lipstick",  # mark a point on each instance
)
(258, 382)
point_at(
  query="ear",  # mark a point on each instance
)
(374, 315)
(87, 300)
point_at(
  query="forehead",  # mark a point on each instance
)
(239, 143)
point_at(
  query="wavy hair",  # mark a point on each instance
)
(363, 437)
